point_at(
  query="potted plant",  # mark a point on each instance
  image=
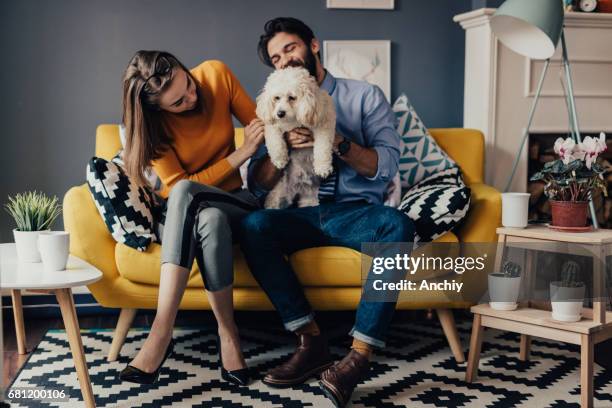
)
(571, 180)
(567, 295)
(33, 212)
(504, 287)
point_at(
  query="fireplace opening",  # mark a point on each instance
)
(541, 151)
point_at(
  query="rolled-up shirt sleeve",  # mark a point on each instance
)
(378, 124)
(255, 188)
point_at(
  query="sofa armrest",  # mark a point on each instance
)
(90, 240)
(484, 216)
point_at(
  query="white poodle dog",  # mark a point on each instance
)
(291, 98)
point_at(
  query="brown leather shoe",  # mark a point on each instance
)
(310, 358)
(339, 381)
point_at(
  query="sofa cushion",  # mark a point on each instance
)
(437, 204)
(315, 267)
(128, 210)
(420, 155)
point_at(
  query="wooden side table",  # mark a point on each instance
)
(529, 320)
(32, 277)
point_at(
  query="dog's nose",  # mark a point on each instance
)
(281, 113)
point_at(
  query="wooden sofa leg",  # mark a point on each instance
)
(450, 331)
(126, 318)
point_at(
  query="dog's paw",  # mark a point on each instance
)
(280, 162)
(308, 202)
(323, 170)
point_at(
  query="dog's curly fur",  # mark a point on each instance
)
(291, 98)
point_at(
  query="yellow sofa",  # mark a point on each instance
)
(331, 275)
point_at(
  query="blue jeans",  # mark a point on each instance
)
(269, 235)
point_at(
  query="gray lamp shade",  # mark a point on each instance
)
(529, 27)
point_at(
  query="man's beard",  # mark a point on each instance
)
(310, 63)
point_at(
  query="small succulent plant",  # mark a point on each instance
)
(33, 211)
(570, 275)
(511, 269)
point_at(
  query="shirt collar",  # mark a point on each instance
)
(329, 83)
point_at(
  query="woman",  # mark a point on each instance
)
(179, 123)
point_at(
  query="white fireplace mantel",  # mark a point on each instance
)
(500, 85)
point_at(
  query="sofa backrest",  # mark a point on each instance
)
(465, 146)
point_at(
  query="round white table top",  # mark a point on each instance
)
(22, 275)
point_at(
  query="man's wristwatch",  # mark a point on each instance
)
(343, 147)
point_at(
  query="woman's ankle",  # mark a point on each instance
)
(228, 331)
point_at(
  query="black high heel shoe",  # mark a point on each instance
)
(238, 377)
(136, 375)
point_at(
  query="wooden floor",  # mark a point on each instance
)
(36, 328)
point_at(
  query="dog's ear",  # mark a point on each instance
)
(306, 110)
(265, 107)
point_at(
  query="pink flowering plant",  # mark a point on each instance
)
(576, 174)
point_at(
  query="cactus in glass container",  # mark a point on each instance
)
(511, 269)
(570, 275)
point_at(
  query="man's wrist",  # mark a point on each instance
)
(343, 147)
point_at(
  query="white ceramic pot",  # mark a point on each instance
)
(54, 248)
(515, 209)
(566, 302)
(504, 291)
(26, 243)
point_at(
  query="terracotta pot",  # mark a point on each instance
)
(569, 213)
(604, 6)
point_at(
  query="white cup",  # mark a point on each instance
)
(515, 209)
(54, 248)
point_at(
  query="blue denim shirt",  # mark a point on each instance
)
(364, 116)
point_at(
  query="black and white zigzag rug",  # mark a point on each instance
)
(415, 370)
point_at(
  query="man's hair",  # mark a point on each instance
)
(277, 25)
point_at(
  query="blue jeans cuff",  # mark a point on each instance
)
(295, 324)
(366, 339)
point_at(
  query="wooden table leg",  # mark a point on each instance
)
(66, 302)
(475, 345)
(18, 316)
(528, 286)
(586, 371)
(599, 285)
(525, 347)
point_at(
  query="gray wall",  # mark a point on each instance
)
(63, 63)
(476, 4)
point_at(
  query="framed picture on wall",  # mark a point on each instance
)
(368, 61)
(361, 4)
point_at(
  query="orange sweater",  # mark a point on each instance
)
(201, 143)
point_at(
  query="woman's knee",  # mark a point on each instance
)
(182, 190)
(213, 222)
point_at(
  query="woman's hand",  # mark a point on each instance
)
(299, 138)
(253, 138)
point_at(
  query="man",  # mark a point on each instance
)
(350, 213)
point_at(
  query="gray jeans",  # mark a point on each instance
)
(199, 221)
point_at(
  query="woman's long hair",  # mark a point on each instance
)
(147, 75)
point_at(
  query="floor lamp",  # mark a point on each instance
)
(533, 28)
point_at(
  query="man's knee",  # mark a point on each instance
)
(256, 222)
(395, 225)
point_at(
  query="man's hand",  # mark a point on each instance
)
(299, 138)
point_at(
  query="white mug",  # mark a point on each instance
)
(515, 209)
(54, 248)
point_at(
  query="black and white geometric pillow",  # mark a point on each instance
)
(436, 204)
(128, 210)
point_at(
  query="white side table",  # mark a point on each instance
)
(19, 276)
